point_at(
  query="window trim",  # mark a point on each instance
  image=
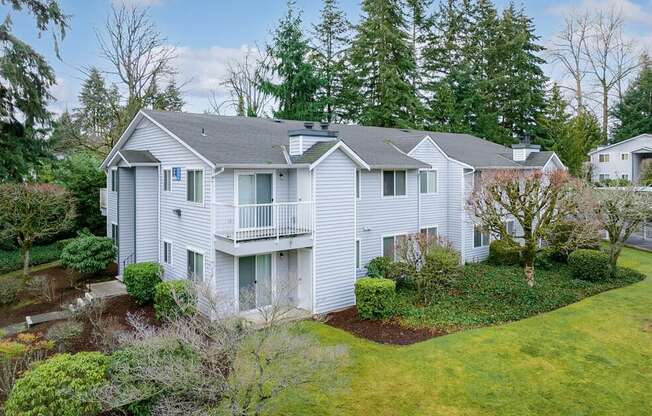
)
(358, 254)
(382, 242)
(200, 252)
(382, 183)
(427, 172)
(116, 241)
(513, 221)
(626, 156)
(169, 242)
(428, 227)
(624, 176)
(605, 156)
(168, 172)
(482, 234)
(358, 184)
(607, 177)
(114, 182)
(203, 191)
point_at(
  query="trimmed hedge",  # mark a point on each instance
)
(375, 297)
(60, 386)
(172, 299)
(10, 260)
(141, 280)
(88, 253)
(504, 253)
(592, 265)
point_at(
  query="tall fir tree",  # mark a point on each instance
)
(169, 99)
(299, 84)
(553, 122)
(96, 116)
(330, 40)
(633, 114)
(382, 66)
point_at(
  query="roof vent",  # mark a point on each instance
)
(308, 125)
(324, 125)
(203, 131)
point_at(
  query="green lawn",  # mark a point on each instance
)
(593, 357)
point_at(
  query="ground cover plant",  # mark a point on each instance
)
(10, 260)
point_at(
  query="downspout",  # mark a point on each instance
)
(418, 201)
(463, 224)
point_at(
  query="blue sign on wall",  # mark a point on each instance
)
(176, 174)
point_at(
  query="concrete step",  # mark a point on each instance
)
(32, 320)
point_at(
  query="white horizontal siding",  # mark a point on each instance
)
(146, 214)
(126, 219)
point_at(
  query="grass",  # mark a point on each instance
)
(589, 358)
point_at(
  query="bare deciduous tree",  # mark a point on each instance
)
(138, 53)
(243, 83)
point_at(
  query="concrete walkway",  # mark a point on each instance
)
(105, 290)
(637, 241)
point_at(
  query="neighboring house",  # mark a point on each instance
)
(250, 203)
(621, 160)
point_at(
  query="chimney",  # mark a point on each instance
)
(521, 151)
(303, 139)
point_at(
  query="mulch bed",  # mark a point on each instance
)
(31, 304)
(384, 332)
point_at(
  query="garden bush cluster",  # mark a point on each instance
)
(375, 297)
(88, 253)
(504, 253)
(592, 265)
(173, 298)
(141, 280)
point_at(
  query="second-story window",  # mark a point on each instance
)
(195, 186)
(604, 158)
(167, 179)
(624, 156)
(114, 180)
(394, 182)
(428, 181)
(357, 184)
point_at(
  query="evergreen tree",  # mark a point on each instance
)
(170, 99)
(331, 38)
(382, 66)
(553, 122)
(583, 134)
(633, 113)
(299, 84)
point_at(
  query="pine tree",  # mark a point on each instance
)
(381, 67)
(298, 86)
(633, 113)
(331, 38)
(553, 122)
(583, 134)
(170, 99)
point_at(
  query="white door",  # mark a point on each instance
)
(304, 279)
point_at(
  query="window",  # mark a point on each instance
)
(428, 181)
(480, 237)
(195, 186)
(167, 179)
(394, 182)
(357, 184)
(603, 177)
(624, 156)
(357, 254)
(115, 236)
(195, 266)
(430, 232)
(625, 176)
(167, 252)
(114, 180)
(390, 243)
(604, 158)
(510, 226)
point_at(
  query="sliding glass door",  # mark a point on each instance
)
(255, 281)
(255, 191)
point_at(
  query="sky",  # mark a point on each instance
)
(208, 34)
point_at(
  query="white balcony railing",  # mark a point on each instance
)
(257, 221)
(103, 200)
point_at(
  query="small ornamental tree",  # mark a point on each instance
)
(537, 200)
(32, 212)
(88, 253)
(621, 212)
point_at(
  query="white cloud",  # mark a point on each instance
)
(65, 96)
(631, 11)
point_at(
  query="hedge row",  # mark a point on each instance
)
(10, 260)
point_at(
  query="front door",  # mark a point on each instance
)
(255, 199)
(255, 281)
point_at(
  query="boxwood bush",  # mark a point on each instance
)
(141, 280)
(375, 297)
(60, 385)
(88, 253)
(504, 253)
(172, 299)
(590, 265)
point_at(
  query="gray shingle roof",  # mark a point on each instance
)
(316, 151)
(138, 156)
(246, 140)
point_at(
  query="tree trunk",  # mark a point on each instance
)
(24, 252)
(605, 115)
(528, 269)
(614, 253)
(529, 253)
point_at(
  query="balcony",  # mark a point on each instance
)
(248, 229)
(103, 201)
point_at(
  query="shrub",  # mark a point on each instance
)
(62, 333)
(141, 280)
(60, 385)
(590, 265)
(172, 299)
(10, 287)
(375, 297)
(10, 259)
(442, 260)
(88, 253)
(17, 356)
(379, 267)
(43, 287)
(61, 244)
(568, 236)
(504, 253)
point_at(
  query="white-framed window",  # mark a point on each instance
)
(510, 226)
(428, 181)
(603, 176)
(390, 243)
(625, 176)
(114, 180)
(603, 158)
(430, 232)
(167, 252)
(394, 182)
(624, 156)
(358, 254)
(195, 186)
(167, 179)
(357, 184)
(480, 237)
(195, 266)
(115, 234)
